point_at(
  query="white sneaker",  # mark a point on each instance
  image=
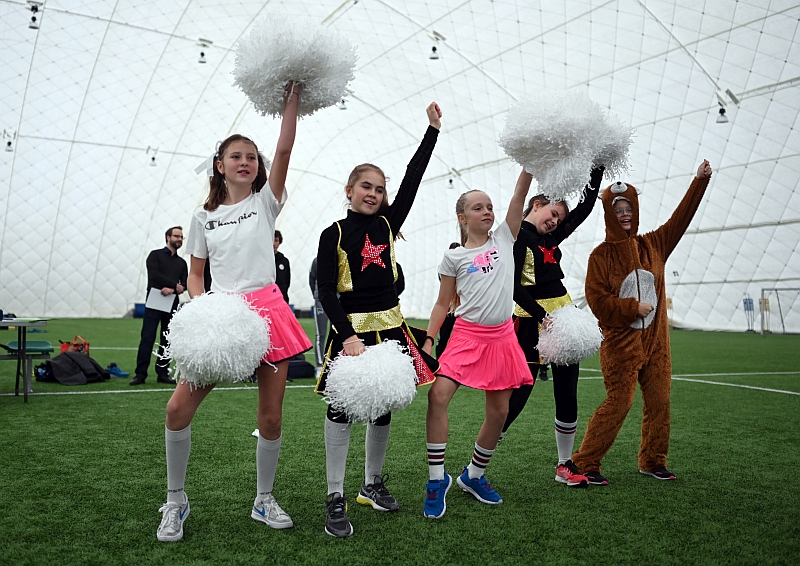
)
(171, 527)
(267, 510)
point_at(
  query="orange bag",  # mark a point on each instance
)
(78, 345)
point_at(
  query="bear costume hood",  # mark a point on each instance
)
(614, 230)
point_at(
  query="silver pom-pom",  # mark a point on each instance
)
(278, 51)
(379, 381)
(554, 136)
(571, 336)
(615, 146)
(217, 338)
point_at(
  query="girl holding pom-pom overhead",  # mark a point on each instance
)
(356, 275)
(233, 231)
(538, 291)
(482, 352)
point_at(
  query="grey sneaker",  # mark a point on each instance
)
(336, 522)
(267, 510)
(173, 516)
(376, 495)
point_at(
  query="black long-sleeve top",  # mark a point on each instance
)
(362, 272)
(537, 268)
(165, 269)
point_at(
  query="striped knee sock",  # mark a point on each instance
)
(480, 459)
(436, 460)
(565, 439)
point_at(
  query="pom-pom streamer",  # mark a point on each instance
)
(278, 51)
(379, 381)
(559, 136)
(571, 336)
(217, 338)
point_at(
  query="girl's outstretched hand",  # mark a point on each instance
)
(434, 115)
(704, 171)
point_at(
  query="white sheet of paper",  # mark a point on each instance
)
(159, 302)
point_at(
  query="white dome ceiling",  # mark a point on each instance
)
(101, 88)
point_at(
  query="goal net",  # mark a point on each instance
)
(780, 311)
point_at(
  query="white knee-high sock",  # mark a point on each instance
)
(565, 439)
(480, 459)
(375, 444)
(436, 460)
(179, 443)
(337, 442)
(267, 452)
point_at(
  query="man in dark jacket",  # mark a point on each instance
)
(283, 275)
(166, 275)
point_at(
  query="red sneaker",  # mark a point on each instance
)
(568, 473)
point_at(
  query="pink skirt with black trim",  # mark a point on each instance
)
(286, 337)
(485, 357)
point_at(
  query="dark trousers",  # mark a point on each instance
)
(321, 328)
(152, 318)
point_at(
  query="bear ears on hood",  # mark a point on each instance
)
(617, 191)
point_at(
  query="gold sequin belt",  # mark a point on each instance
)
(374, 321)
(549, 305)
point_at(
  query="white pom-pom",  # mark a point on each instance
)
(217, 338)
(571, 336)
(555, 136)
(615, 146)
(279, 50)
(379, 381)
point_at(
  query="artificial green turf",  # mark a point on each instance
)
(84, 475)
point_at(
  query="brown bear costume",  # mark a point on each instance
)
(623, 271)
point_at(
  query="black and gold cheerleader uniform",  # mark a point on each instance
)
(538, 291)
(357, 272)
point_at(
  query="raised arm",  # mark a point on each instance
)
(667, 236)
(517, 203)
(415, 170)
(447, 288)
(283, 151)
(581, 212)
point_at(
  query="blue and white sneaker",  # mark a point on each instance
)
(267, 510)
(435, 501)
(171, 527)
(479, 487)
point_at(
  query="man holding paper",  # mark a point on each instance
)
(166, 279)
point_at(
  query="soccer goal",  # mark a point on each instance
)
(784, 305)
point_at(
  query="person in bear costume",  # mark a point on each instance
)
(625, 290)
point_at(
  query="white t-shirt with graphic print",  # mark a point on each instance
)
(484, 278)
(237, 240)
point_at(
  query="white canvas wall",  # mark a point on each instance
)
(88, 98)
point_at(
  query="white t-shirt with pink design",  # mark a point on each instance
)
(484, 278)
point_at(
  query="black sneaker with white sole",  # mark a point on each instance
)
(376, 495)
(596, 478)
(659, 474)
(336, 522)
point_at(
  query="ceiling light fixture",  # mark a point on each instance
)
(722, 118)
(204, 44)
(434, 53)
(34, 24)
(9, 147)
(9, 136)
(342, 105)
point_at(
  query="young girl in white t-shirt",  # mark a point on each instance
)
(233, 231)
(483, 351)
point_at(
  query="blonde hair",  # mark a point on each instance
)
(461, 205)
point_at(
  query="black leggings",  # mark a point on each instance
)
(565, 392)
(342, 418)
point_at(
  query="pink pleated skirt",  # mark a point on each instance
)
(485, 357)
(286, 337)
